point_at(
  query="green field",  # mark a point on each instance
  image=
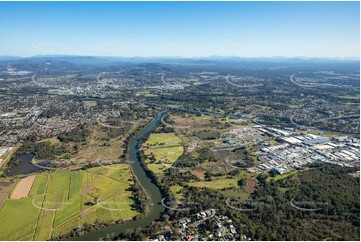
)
(75, 184)
(89, 103)
(176, 191)
(58, 182)
(44, 227)
(62, 201)
(163, 139)
(167, 153)
(166, 148)
(201, 117)
(18, 219)
(293, 106)
(349, 97)
(221, 182)
(39, 185)
(216, 183)
(52, 140)
(236, 193)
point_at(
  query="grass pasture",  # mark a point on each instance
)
(39, 185)
(170, 154)
(44, 227)
(176, 191)
(165, 147)
(349, 97)
(216, 183)
(59, 181)
(61, 201)
(163, 139)
(18, 219)
(220, 182)
(88, 104)
(68, 210)
(75, 184)
(52, 140)
(66, 227)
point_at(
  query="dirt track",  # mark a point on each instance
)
(22, 189)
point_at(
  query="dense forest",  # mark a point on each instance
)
(43, 150)
(318, 204)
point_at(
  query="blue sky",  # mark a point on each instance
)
(250, 29)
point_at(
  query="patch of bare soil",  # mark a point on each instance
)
(22, 189)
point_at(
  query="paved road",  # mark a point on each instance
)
(36, 82)
(318, 85)
(241, 86)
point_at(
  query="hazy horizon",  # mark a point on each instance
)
(188, 57)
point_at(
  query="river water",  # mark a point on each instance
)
(25, 166)
(145, 181)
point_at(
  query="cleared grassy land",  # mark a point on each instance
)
(146, 94)
(102, 186)
(295, 106)
(238, 193)
(115, 202)
(176, 192)
(221, 182)
(27, 238)
(18, 219)
(59, 181)
(44, 227)
(120, 207)
(66, 227)
(75, 184)
(39, 185)
(111, 210)
(52, 140)
(331, 134)
(261, 106)
(166, 154)
(119, 172)
(216, 183)
(349, 97)
(158, 168)
(62, 201)
(68, 210)
(166, 148)
(163, 138)
(53, 200)
(164, 158)
(89, 103)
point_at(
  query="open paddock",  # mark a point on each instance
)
(46, 206)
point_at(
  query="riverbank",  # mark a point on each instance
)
(147, 183)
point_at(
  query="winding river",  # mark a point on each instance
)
(145, 181)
